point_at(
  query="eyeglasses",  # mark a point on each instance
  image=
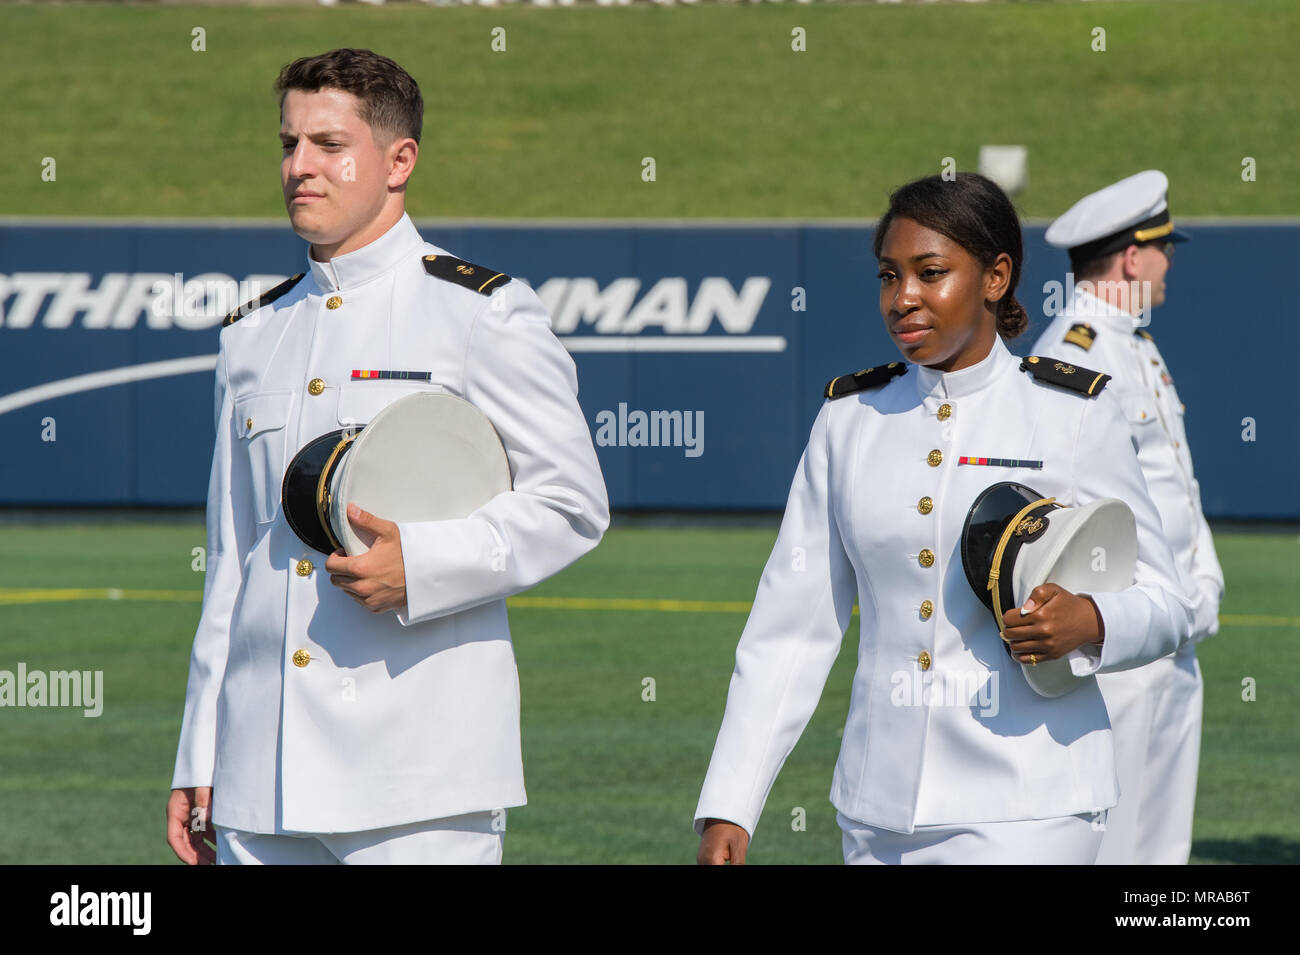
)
(1166, 247)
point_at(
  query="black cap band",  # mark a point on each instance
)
(1145, 231)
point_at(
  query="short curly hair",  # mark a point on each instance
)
(391, 104)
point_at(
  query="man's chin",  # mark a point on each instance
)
(306, 227)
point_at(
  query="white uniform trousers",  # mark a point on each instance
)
(1155, 712)
(472, 839)
(1061, 840)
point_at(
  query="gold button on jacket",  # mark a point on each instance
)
(927, 608)
(304, 567)
(301, 658)
(935, 458)
(333, 302)
(924, 660)
(945, 411)
(925, 505)
(926, 557)
(316, 386)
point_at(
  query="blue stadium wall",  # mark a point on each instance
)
(742, 323)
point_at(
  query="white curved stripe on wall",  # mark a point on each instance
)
(106, 379)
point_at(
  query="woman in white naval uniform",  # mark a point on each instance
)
(948, 755)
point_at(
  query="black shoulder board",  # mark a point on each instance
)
(1144, 333)
(476, 277)
(1081, 334)
(1074, 377)
(265, 299)
(867, 378)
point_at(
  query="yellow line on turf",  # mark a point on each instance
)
(18, 595)
(630, 603)
(1257, 620)
(32, 595)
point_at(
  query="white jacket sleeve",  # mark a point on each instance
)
(803, 606)
(230, 528)
(1207, 578)
(1153, 618)
(520, 375)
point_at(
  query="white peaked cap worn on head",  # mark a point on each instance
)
(1015, 540)
(429, 456)
(1128, 212)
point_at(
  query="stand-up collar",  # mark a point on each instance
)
(966, 381)
(1089, 307)
(351, 270)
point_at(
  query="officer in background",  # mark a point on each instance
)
(365, 709)
(1121, 242)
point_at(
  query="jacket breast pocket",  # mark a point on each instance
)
(1142, 416)
(1140, 411)
(260, 421)
(360, 401)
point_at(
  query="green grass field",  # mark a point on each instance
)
(738, 123)
(611, 778)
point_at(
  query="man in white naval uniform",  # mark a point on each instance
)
(1121, 241)
(366, 709)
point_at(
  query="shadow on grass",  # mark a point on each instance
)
(1260, 850)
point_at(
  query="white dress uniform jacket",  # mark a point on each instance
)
(398, 717)
(1155, 710)
(942, 726)
(1141, 381)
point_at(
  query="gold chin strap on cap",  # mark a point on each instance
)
(323, 491)
(1155, 232)
(997, 560)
